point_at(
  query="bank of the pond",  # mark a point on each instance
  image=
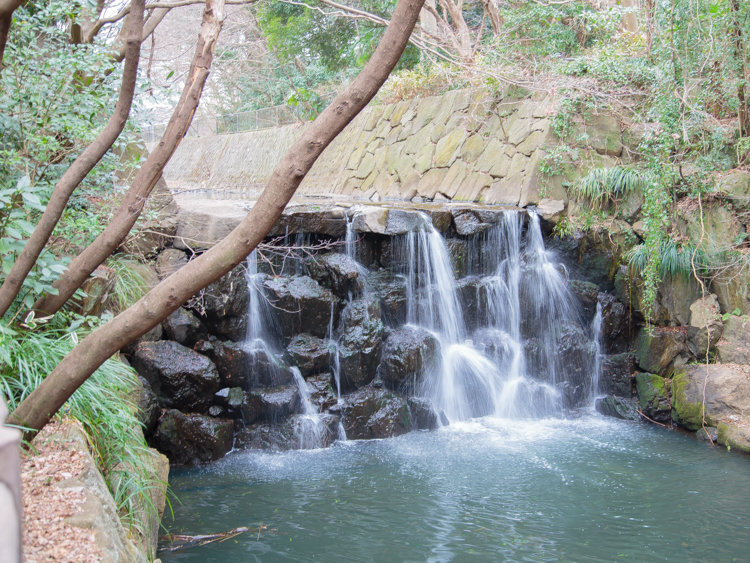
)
(590, 489)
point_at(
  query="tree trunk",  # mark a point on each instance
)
(37, 409)
(740, 52)
(147, 176)
(7, 7)
(79, 169)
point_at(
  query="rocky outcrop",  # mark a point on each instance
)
(225, 305)
(575, 354)
(309, 353)
(287, 435)
(337, 272)
(705, 326)
(424, 415)
(734, 346)
(726, 389)
(360, 343)
(616, 377)
(407, 353)
(270, 405)
(661, 349)
(193, 438)
(374, 413)
(291, 296)
(181, 378)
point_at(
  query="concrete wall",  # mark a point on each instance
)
(462, 146)
(10, 490)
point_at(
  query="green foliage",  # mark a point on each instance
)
(102, 406)
(675, 259)
(131, 282)
(608, 185)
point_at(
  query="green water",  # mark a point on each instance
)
(590, 489)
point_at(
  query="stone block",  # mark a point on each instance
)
(532, 142)
(734, 346)
(502, 168)
(519, 131)
(736, 188)
(426, 110)
(372, 118)
(550, 209)
(505, 192)
(705, 325)
(452, 181)
(416, 142)
(393, 135)
(490, 156)
(430, 183)
(448, 147)
(472, 147)
(423, 160)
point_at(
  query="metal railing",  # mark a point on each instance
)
(253, 120)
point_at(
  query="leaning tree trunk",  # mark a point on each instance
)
(37, 409)
(147, 176)
(74, 175)
(7, 7)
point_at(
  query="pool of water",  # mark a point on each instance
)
(590, 489)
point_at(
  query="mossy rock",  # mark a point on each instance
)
(654, 396)
(686, 413)
(734, 436)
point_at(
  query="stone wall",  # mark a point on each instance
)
(462, 146)
(10, 490)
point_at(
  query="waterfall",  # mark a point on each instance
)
(309, 428)
(596, 329)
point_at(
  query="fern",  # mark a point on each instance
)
(604, 185)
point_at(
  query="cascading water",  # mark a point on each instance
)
(309, 428)
(522, 304)
(596, 329)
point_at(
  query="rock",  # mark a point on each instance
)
(193, 438)
(231, 360)
(574, 358)
(169, 261)
(148, 407)
(459, 252)
(424, 416)
(727, 395)
(310, 219)
(471, 291)
(322, 391)
(360, 344)
(469, 223)
(301, 305)
(309, 353)
(97, 288)
(184, 328)
(231, 397)
(654, 397)
(734, 346)
(216, 411)
(180, 377)
(639, 228)
(550, 209)
(617, 325)
(336, 272)
(392, 292)
(734, 436)
(618, 407)
(708, 434)
(736, 187)
(732, 289)
(270, 404)
(385, 221)
(153, 335)
(226, 303)
(201, 223)
(705, 326)
(588, 296)
(601, 133)
(674, 296)
(408, 353)
(374, 413)
(617, 374)
(287, 435)
(657, 351)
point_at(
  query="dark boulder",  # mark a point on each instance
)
(360, 344)
(180, 377)
(471, 292)
(230, 397)
(336, 272)
(618, 407)
(230, 359)
(184, 328)
(617, 325)
(654, 395)
(309, 353)
(270, 404)
(574, 358)
(247, 365)
(616, 377)
(225, 304)
(408, 352)
(153, 335)
(495, 344)
(192, 438)
(391, 289)
(469, 223)
(288, 435)
(373, 413)
(424, 416)
(169, 261)
(322, 391)
(587, 294)
(301, 305)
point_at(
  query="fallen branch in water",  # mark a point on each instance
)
(196, 541)
(650, 420)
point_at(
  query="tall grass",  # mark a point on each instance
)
(605, 185)
(103, 407)
(675, 259)
(132, 281)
